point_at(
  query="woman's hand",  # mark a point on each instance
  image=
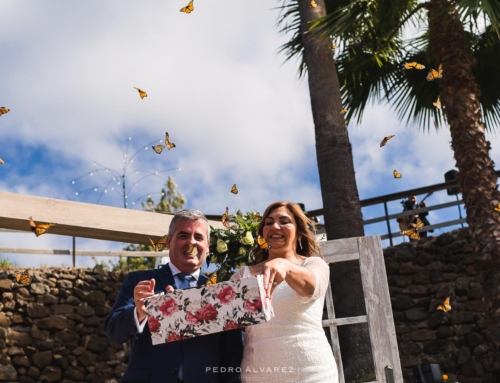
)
(275, 272)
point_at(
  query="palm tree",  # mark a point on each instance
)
(341, 206)
(463, 38)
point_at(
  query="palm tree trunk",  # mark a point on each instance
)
(476, 176)
(341, 206)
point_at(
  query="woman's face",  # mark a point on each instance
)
(279, 229)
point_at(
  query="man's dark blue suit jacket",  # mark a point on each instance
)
(160, 363)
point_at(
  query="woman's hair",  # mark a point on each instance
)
(306, 230)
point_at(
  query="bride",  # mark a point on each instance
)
(292, 347)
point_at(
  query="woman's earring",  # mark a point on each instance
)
(300, 244)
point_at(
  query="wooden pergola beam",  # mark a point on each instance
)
(85, 220)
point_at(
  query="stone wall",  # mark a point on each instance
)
(420, 278)
(52, 331)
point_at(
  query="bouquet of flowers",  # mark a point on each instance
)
(231, 248)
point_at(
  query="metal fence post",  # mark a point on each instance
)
(74, 251)
(388, 224)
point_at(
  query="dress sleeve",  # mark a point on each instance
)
(239, 274)
(322, 273)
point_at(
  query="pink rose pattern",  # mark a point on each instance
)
(212, 316)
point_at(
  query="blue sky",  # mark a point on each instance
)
(215, 82)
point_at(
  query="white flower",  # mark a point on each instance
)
(221, 246)
(194, 306)
(253, 293)
(213, 259)
(242, 251)
(247, 239)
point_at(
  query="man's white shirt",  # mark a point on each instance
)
(140, 326)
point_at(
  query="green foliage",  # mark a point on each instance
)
(5, 264)
(232, 248)
(171, 202)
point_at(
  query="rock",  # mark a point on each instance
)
(21, 361)
(5, 285)
(97, 344)
(85, 311)
(73, 373)
(402, 302)
(415, 314)
(68, 338)
(95, 297)
(409, 361)
(39, 288)
(51, 374)
(42, 359)
(93, 321)
(102, 310)
(88, 359)
(481, 349)
(80, 294)
(61, 309)
(422, 278)
(444, 239)
(473, 369)
(476, 305)
(39, 334)
(473, 340)
(25, 379)
(462, 317)
(409, 268)
(439, 346)
(4, 321)
(47, 299)
(463, 329)
(61, 361)
(400, 330)
(33, 372)
(13, 351)
(37, 310)
(462, 285)
(8, 373)
(405, 254)
(422, 335)
(71, 277)
(418, 290)
(63, 284)
(73, 301)
(444, 332)
(20, 339)
(52, 323)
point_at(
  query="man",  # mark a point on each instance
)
(411, 204)
(189, 361)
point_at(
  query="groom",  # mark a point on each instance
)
(186, 361)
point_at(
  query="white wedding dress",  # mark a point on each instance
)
(292, 346)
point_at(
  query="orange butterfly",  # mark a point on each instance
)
(142, 93)
(212, 279)
(498, 207)
(41, 228)
(384, 141)
(169, 144)
(23, 279)
(397, 174)
(4, 110)
(160, 244)
(434, 74)
(225, 219)
(445, 306)
(343, 111)
(158, 148)
(234, 190)
(413, 234)
(262, 242)
(313, 4)
(334, 46)
(414, 65)
(437, 104)
(1, 161)
(188, 8)
(193, 249)
(256, 215)
(418, 224)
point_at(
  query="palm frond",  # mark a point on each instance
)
(475, 8)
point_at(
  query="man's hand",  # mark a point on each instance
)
(143, 290)
(422, 204)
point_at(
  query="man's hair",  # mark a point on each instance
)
(187, 215)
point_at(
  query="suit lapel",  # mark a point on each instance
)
(164, 278)
(202, 279)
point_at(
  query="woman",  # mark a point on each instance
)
(292, 347)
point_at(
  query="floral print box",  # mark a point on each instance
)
(207, 309)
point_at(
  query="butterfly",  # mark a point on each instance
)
(169, 144)
(160, 244)
(193, 249)
(413, 234)
(418, 224)
(397, 174)
(262, 242)
(234, 190)
(188, 8)
(1, 161)
(384, 141)
(225, 220)
(414, 65)
(41, 228)
(142, 93)
(212, 279)
(256, 215)
(313, 4)
(23, 279)
(437, 104)
(445, 306)
(434, 74)
(343, 111)
(498, 207)
(158, 148)
(4, 110)
(334, 46)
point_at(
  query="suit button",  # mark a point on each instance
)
(175, 370)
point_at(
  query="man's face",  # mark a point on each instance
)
(186, 233)
(413, 199)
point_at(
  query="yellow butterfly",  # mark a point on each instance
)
(334, 46)
(1, 161)
(4, 110)
(256, 215)
(434, 74)
(160, 244)
(158, 148)
(262, 242)
(188, 8)
(384, 141)
(193, 249)
(414, 65)
(169, 144)
(234, 190)
(142, 93)
(225, 220)
(498, 207)
(41, 228)
(437, 104)
(343, 111)
(23, 279)
(418, 224)
(313, 4)
(413, 234)
(445, 306)
(212, 279)
(397, 174)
